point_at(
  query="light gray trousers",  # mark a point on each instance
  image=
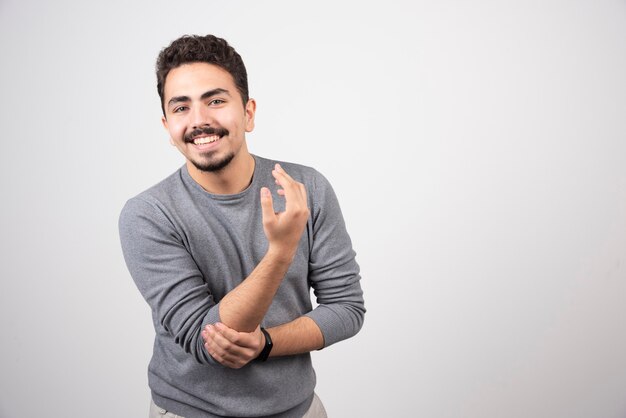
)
(316, 410)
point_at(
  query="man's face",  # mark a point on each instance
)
(205, 116)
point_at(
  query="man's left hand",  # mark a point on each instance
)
(231, 348)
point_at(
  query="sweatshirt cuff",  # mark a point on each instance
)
(213, 316)
(330, 323)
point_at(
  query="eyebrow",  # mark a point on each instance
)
(205, 95)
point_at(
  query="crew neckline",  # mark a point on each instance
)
(187, 177)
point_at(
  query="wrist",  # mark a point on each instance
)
(280, 254)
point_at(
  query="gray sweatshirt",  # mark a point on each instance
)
(186, 249)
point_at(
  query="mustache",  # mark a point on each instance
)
(207, 130)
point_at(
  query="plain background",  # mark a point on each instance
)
(478, 150)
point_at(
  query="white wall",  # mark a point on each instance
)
(478, 150)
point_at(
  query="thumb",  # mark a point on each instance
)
(267, 205)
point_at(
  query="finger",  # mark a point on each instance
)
(211, 337)
(282, 177)
(241, 339)
(303, 192)
(228, 348)
(210, 348)
(221, 359)
(281, 170)
(221, 354)
(292, 190)
(267, 205)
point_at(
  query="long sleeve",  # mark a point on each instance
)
(333, 270)
(167, 276)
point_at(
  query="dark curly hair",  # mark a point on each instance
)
(210, 49)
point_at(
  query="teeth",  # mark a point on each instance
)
(206, 140)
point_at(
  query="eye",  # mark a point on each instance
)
(179, 109)
(217, 102)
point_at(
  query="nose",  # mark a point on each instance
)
(200, 116)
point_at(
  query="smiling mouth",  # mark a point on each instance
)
(206, 140)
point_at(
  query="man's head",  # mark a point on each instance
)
(202, 83)
(208, 49)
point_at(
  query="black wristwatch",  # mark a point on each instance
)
(265, 353)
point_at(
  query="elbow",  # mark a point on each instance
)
(187, 333)
(354, 313)
(358, 317)
(192, 343)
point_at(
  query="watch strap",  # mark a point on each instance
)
(265, 353)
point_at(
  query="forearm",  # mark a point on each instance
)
(296, 337)
(243, 308)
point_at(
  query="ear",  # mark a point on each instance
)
(166, 126)
(250, 112)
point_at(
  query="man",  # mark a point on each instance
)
(226, 263)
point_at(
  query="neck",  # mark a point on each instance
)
(232, 179)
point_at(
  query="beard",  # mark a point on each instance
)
(212, 165)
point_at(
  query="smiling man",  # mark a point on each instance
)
(226, 251)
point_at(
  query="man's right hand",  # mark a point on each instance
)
(244, 307)
(283, 230)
